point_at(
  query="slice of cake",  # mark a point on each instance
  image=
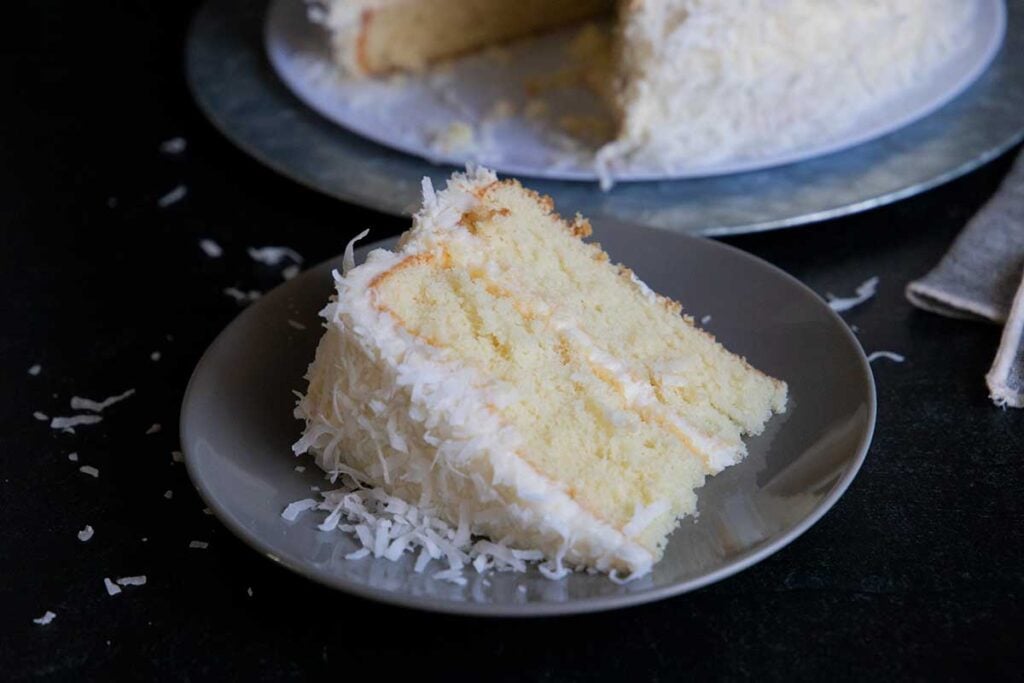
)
(502, 375)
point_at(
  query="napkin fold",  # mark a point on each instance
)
(981, 277)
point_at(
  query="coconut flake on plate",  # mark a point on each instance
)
(85, 534)
(172, 197)
(112, 588)
(154, 428)
(155, 356)
(175, 145)
(296, 324)
(865, 291)
(47, 617)
(90, 470)
(73, 457)
(293, 510)
(35, 369)
(68, 424)
(132, 580)
(79, 403)
(242, 297)
(42, 417)
(168, 494)
(200, 545)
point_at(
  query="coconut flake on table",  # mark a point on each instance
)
(201, 545)
(90, 470)
(154, 428)
(211, 248)
(85, 534)
(172, 197)
(47, 617)
(273, 256)
(207, 511)
(35, 370)
(289, 272)
(249, 591)
(112, 588)
(155, 356)
(176, 456)
(300, 468)
(73, 457)
(42, 417)
(68, 424)
(175, 145)
(168, 494)
(242, 297)
(865, 291)
(132, 580)
(79, 403)
(297, 325)
(705, 320)
(888, 355)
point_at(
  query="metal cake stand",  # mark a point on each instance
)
(238, 90)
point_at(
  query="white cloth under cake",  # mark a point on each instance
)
(982, 278)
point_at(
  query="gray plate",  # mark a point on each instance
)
(238, 90)
(237, 428)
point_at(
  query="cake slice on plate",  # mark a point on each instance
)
(502, 375)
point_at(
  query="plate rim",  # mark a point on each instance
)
(994, 40)
(541, 609)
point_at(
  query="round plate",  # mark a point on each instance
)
(411, 114)
(237, 429)
(236, 87)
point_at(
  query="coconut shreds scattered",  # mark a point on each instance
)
(289, 272)
(90, 470)
(85, 534)
(132, 580)
(296, 324)
(112, 588)
(175, 145)
(889, 355)
(154, 428)
(168, 494)
(201, 545)
(73, 457)
(300, 468)
(211, 248)
(705, 320)
(242, 297)
(388, 527)
(249, 591)
(42, 417)
(207, 511)
(68, 424)
(176, 456)
(273, 256)
(865, 291)
(172, 197)
(35, 370)
(46, 618)
(155, 356)
(79, 403)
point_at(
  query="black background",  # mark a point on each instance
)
(916, 573)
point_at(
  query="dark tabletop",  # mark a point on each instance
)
(916, 572)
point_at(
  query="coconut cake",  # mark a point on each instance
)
(499, 373)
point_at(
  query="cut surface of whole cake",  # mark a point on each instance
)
(501, 374)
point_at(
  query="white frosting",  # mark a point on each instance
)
(383, 406)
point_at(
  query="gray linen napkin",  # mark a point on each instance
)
(982, 277)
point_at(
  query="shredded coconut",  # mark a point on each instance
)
(112, 588)
(90, 470)
(289, 272)
(705, 320)
(297, 325)
(176, 456)
(168, 494)
(132, 580)
(68, 424)
(890, 355)
(242, 297)
(249, 591)
(348, 260)
(35, 370)
(201, 545)
(300, 468)
(175, 145)
(865, 291)
(153, 428)
(172, 197)
(155, 356)
(273, 256)
(207, 511)
(79, 403)
(42, 417)
(47, 617)
(85, 534)
(73, 457)
(293, 510)
(211, 248)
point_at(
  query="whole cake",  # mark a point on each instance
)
(692, 81)
(501, 375)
